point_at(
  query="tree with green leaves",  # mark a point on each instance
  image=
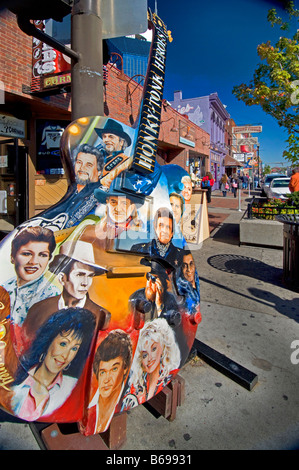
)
(267, 170)
(275, 83)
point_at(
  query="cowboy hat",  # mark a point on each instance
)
(79, 251)
(115, 190)
(114, 127)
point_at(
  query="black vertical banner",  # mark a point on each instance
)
(146, 145)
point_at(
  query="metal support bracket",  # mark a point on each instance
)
(226, 366)
(28, 28)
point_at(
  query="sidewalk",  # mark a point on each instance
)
(250, 317)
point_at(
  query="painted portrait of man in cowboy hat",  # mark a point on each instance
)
(160, 302)
(121, 215)
(75, 269)
(115, 141)
(114, 137)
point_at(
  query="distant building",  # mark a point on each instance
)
(134, 54)
(210, 114)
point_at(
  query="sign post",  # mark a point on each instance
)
(93, 21)
(87, 72)
(239, 200)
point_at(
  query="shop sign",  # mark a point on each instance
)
(245, 148)
(48, 136)
(46, 61)
(185, 141)
(146, 146)
(40, 182)
(246, 129)
(240, 157)
(251, 161)
(250, 155)
(3, 161)
(56, 80)
(12, 127)
(187, 134)
(247, 141)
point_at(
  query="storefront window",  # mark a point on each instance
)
(60, 30)
(196, 166)
(13, 184)
(195, 170)
(48, 135)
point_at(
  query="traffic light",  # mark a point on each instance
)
(37, 10)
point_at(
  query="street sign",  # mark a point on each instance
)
(246, 129)
(249, 155)
(247, 141)
(240, 157)
(123, 17)
(12, 127)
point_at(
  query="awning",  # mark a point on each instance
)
(231, 162)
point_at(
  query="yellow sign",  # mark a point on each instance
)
(57, 80)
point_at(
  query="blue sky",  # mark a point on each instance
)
(215, 48)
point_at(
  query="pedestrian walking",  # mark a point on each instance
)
(234, 184)
(224, 186)
(250, 182)
(207, 183)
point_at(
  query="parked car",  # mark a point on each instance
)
(278, 188)
(267, 181)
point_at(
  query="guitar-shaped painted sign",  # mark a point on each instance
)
(99, 295)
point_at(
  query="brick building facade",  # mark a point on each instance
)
(210, 114)
(27, 186)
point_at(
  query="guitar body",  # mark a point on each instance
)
(99, 295)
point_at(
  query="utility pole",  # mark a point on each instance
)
(258, 165)
(91, 22)
(87, 72)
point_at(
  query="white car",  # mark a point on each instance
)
(278, 188)
(267, 181)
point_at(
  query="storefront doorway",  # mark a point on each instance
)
(13, 185)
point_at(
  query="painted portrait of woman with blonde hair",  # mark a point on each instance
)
(156, 360)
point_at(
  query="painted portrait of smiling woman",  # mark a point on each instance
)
(156, 360)
(50, 369)
(31, 251)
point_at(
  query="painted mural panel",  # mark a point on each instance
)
(99, 295)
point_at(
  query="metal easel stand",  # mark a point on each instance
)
(66, 436)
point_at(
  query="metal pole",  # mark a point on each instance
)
(18, 176)
(239, 199)
(258, 165)
(87, 72)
